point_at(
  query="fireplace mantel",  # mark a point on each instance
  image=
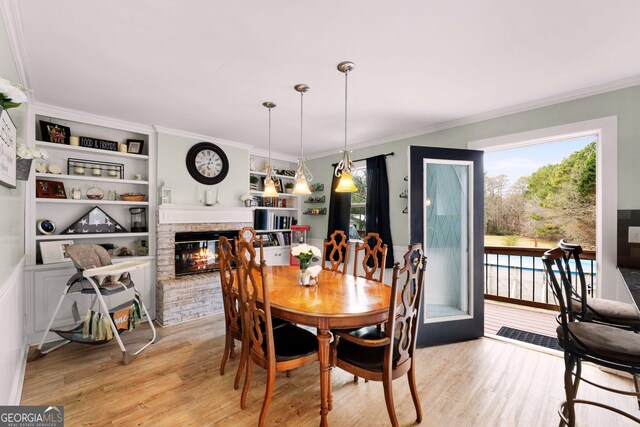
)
(188, 214)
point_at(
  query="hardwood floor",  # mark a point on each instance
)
(176, 382)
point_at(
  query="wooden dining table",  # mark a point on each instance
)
(337, 301)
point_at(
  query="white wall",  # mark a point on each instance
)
(172, 170)
(12, 329)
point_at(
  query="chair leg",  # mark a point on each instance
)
(225, 352)
(244, 356)
(271, 383)
(570, 392)
(411, 376)
(387, 383)
(247, 382)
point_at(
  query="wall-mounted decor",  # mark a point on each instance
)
(207, 163)
(52, 132)
(55, 251)
(7, 150)
(94, 222)
(134, 146)
(99, 144)
(50, 189)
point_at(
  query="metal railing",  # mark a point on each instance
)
(516, 275)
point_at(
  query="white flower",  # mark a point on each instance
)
(25, 152)
(246, 196)
(314, 270)
(305, 249)
(12, 91)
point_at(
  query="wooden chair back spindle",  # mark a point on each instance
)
(335, 251)
(374, 258)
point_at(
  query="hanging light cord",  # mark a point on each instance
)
(301, 116)
(346, 78)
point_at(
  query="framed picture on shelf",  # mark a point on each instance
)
(55, 251)
(7, 150)
(134, 146)
(52, 132)
(50, 189)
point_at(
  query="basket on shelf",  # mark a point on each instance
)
(129, 197)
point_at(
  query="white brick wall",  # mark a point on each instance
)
(179, 299)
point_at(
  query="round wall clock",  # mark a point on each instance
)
(207, 163)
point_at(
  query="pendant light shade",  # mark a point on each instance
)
(269, 184)
(303, 174)
(343, 169)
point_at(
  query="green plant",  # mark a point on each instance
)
(288, 185)
(253, 179)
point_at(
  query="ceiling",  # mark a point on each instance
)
(206, 66)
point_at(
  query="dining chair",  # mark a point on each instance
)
(374, 257)
(248, 234)
(603, 345)
(230, 300)
(590, 309)
(384, 355)
(274, 349)
(336, 252)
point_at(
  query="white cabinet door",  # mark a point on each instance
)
(277, 255)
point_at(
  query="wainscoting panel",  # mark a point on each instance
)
(13, 351)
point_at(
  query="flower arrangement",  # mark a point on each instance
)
(305, 253)
(245, 197)
(11, 94)
(24, 152)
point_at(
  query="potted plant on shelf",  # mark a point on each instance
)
(288, 187)
(247, 199)
(110, 247)
(25, 156)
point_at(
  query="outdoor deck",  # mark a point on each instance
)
(498, 314)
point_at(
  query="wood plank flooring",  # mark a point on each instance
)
(176, 382)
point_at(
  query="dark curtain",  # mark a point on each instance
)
(377, 207)
(339, 210)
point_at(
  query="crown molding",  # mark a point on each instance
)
(95, 119)
(193, 135)
(13, 21)
(501, 112)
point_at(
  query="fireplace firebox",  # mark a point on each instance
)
(197, 252)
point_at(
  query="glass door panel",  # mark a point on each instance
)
(447, 239)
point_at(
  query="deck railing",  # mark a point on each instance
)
(516, 275)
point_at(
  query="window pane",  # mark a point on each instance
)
(358, 200)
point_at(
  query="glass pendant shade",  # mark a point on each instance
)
(302, 186)
(269, 188)
(346, 185)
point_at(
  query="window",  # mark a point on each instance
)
(357, 228)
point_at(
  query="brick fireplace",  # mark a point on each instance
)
(183, 298)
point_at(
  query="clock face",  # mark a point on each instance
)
(207, 163)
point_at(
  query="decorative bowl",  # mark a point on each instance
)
(130, 197)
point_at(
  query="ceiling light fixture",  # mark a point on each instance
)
(303, 174)
(343, 169)
(269, 184)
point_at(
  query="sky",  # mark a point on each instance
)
(523, 161)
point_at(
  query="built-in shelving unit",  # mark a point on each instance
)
(135, 175)
(273, 218)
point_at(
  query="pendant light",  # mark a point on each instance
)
(269, 184)
(303, 174)
(343, 170)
